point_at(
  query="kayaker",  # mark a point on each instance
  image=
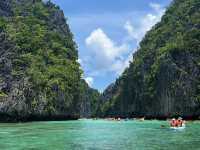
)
(173, 122)
(179, 122)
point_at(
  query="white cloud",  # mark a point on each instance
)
(105, 52)
(80, 61)
(120, 66)
(155, 6)
(89, 81)
(106, 56)
(131, 31)
(145, 24)
(99, 42)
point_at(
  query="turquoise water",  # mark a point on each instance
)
(98, 135)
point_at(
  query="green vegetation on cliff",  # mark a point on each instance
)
(40, 75)
(163, 79)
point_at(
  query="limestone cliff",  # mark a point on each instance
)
(39, 73)
(164, 78)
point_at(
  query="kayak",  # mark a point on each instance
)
(178, 128)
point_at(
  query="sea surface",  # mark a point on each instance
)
(99, 135)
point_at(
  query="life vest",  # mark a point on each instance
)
(179, 123)
(173, 123)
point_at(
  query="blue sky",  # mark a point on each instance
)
(107, 33)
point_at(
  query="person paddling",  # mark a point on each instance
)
(179, 122)
(173, 122)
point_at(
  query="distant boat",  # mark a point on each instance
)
(141, 119)
(82, 119)
(118, 119)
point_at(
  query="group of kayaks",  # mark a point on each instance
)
(176, 124)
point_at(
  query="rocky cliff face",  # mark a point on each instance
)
(163, 79)
(39, 73)
(89, 101)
